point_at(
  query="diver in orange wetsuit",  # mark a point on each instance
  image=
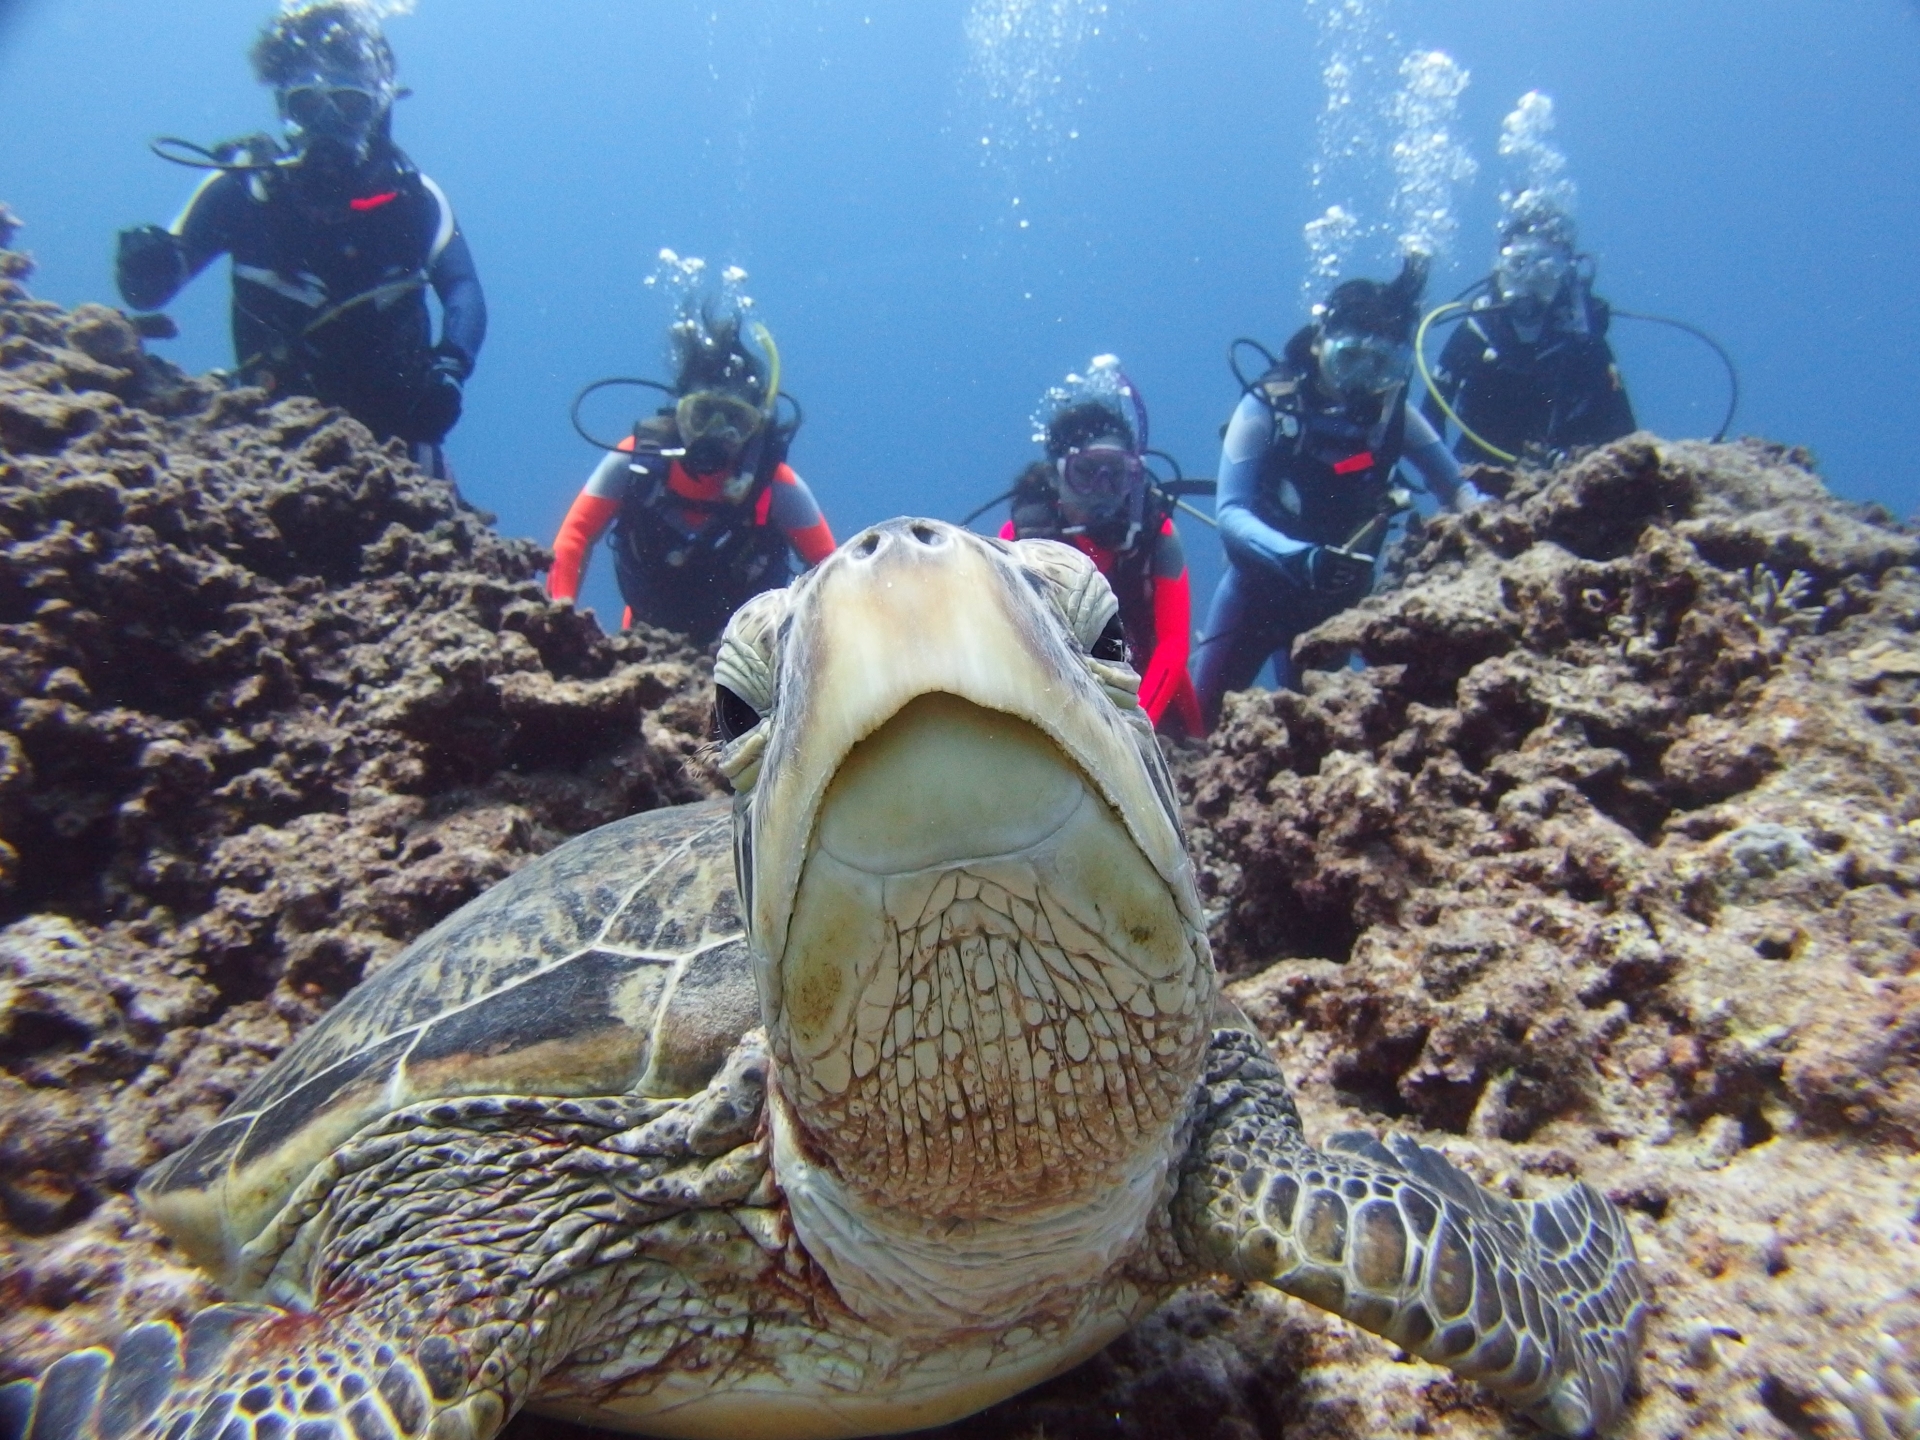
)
(703, 504)
(1092, 492)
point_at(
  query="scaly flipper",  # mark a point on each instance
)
(447, 1276)
(1540, 1300)
(253, 1372)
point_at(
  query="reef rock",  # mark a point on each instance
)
(272, 702)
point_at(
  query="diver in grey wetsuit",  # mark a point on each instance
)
(1306, 470)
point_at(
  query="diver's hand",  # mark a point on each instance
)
(437, 407)
(1334, 571)
(149, 267)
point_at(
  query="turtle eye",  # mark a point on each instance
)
(1112, 644)
(732, 716)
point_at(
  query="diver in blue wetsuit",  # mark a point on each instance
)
(1306, 480)
(335, 237)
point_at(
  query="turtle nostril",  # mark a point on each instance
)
(926, 534)
(864, 547)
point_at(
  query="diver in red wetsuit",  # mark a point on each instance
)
(1093, 492)
(703, 504)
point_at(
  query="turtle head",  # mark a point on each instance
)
(980, 954)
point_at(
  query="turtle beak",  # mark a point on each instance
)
(930, 709)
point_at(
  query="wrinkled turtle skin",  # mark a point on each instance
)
(892, 1088)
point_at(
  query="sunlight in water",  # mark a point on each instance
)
(1024, 74)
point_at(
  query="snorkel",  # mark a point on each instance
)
(763, 337)
(1132, 394)
(746, 459)
(726, 399)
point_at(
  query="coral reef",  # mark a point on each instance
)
(271, 704)
(1605, 866)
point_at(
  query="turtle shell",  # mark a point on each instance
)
(617, 964)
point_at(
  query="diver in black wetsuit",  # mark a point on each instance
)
(335, 238)
(1530, 368)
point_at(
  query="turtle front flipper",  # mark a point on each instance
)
(442, 1251)
(254, 1372)
(1542, 1301)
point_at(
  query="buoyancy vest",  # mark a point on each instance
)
(692, 582)
(1558, 390)
(330, 283)
(1326, 474)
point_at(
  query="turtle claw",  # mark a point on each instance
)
(1566, 1410)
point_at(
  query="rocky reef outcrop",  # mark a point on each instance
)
(271, 703)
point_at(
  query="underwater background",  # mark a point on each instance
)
(1607, 863)
(945, 206)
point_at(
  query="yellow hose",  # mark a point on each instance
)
(1426, 376)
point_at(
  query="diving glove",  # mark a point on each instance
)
(1466, 497)
(150, 267)
(1334, 571)
(437, 407)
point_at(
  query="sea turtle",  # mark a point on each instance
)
(892, 1088)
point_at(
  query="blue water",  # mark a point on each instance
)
(1750, 167)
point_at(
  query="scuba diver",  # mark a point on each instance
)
(703, 503)
(1306, 480)
(1093, 492)
(335, 239)
(1529, 367)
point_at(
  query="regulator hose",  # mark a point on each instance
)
(1443, 312)
(1733, 373)
(1426, 378)
(175, 151)
(573, 412)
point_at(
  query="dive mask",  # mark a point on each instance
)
(1531, 269)
(1101, 477)
(1358, 363)
(342, 114)
(714, 427)
(331, 107)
